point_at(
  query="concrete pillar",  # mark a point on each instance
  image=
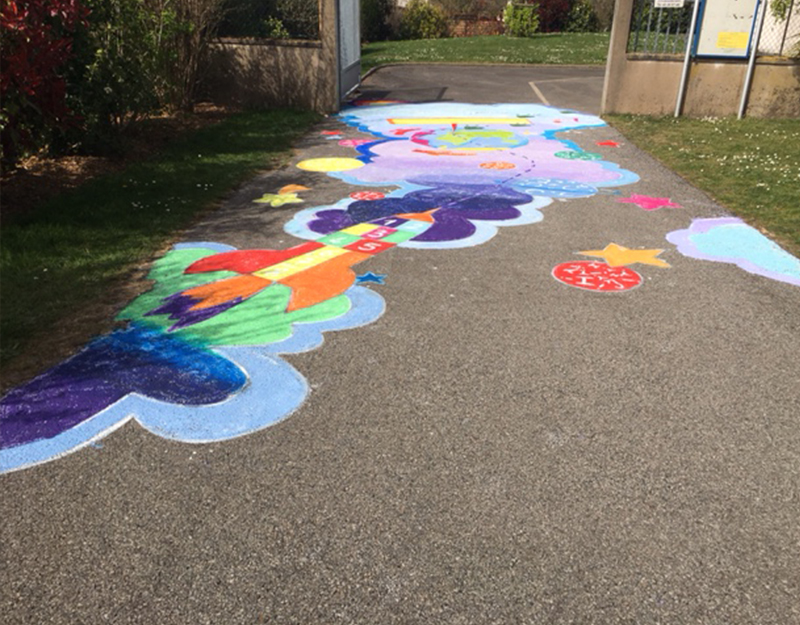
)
(617, 51)
(329, 59)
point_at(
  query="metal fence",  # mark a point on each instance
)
(781, 37)
(662, 31)
(270, 19)
(659, 31)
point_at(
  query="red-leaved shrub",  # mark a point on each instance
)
(553, 15)
(37, 42)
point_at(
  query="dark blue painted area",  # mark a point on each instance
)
(458, 204)
(180, 307)
(361, 211)
(365, 150)
(139, 359)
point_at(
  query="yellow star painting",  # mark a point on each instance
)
(620, 256)
(287, 195)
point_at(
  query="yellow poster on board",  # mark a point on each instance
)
(729, 40)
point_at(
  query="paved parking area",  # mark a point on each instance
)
(576, 87)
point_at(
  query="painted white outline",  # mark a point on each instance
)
(538, 93)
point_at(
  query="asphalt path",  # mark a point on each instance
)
(498, 447)
(578, 87)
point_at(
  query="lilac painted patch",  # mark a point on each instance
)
(458, 204)
(137, 360)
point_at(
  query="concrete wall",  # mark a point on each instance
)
(270, 73)
(643, 84)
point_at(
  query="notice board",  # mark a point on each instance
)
(726, 28)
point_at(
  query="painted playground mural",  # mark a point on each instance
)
(200, 358)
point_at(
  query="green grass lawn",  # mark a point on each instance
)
(68, 252)
(751, 166)
(552, 49)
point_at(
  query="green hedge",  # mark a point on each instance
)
(521, 20)
(423, 21)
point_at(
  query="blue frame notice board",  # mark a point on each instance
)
(726, 28)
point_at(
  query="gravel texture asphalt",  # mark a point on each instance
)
(497, 448)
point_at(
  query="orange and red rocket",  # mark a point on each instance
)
(315, 271)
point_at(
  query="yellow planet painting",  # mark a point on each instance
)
(330, 164)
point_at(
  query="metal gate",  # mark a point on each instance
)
(349, 48)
